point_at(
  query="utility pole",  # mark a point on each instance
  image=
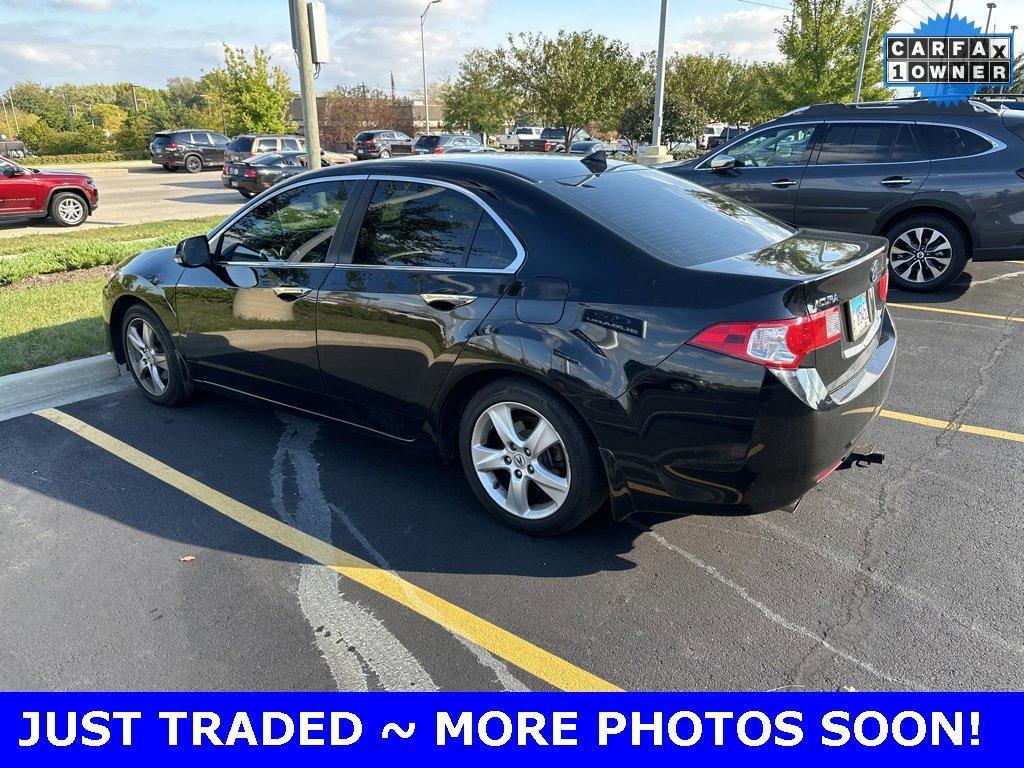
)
(14, 113)
(135, 99)
(659, 78)
(423, 61)
(300, 18)
(864, 50)
(989, 19)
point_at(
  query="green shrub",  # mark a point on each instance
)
(90, 157)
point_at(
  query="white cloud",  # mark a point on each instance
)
(746, 34)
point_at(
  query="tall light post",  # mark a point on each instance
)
(989, 19)
(423, 59)
(659, 78)
(864, 50)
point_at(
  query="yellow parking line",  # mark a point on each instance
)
(964, 312)
(525, 655)
(924, 421)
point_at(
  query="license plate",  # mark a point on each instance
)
(234, 182)
(860, 315)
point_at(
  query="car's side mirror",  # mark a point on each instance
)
(723, 163)
(193, 252)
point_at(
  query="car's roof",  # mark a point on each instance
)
(534, 166)
(893, 108)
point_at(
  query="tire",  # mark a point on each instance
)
(166, 167)
(385, 154)
(247, 195)
(193, 163)
(570, 464)
(171, 168)
(68, 209)
(926, 252)
(158, 344)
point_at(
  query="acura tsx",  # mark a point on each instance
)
(575, 332)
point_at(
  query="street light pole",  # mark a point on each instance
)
(989, 19)
(423, 61)
(864, 50)
(659, 78)
(310, 120)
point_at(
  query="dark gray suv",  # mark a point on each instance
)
(190, 148)
(943, 184)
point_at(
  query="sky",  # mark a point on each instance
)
(148, 41)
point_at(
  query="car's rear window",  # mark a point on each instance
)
(428, 142)
(552, 133)
(241, 144)
(677, 221)
(365, 136)
(162, 138)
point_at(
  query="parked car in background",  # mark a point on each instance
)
(67, 197)
(249, 145)
(252, 176)
(14, 149)
(190, 148)
(442, 143)
(727, 134)
(943, 184)
(376, 144)
(551, 140)
(510, 141)
(498, 308)
(710, 131)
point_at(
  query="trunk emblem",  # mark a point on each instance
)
(822, 303)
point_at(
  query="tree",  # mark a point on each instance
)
(572, 80)
(821, 41)
(479, 99)
(106, 117)
(256, 93)
(682, 120)
(348, 111)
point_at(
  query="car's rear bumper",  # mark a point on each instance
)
(706, 433)
(241, 183)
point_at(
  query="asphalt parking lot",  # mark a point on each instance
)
(138, 191)
(324, 559)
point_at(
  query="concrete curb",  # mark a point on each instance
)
(54, 385)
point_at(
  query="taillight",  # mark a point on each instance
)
(547, 146)
(172, 145)
(371, 142)
(438, 150)
(883, 285)
(249, 173)
(777, 343)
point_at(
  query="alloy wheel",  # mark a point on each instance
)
(520, 460)
(193, 164)
(920, 255)
(147, 356)
(71, 210)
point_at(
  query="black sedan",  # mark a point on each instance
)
(250, 177)
(575, 332)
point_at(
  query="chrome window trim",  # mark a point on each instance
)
(511, 269)
(997, 145)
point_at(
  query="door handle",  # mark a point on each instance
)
(896, 181)
(783, 183)
(290, 292)
(446, 301)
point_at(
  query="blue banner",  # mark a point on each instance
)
(255, 729)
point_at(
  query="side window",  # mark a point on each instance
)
(411, 224)
(219, 139)
(905, 149)
(945, 141)
(852, 143)
(288, 143)
(491, 247)
(786, 145)
(266, 145)
(185, 137)
(293, 227)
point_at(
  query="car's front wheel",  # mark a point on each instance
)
(68, 209)
(151, 357)
(385, 154)
(193, 164)
(529, 459)
(925, 253)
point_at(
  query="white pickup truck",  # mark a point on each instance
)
(510, 140)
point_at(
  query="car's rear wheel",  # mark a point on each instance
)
(246, 194)
(166, 167)
(193, 163)
(68, 209)
(385, 154)
(171, 168)
(151, 357)
(925, 253)
(529, 458)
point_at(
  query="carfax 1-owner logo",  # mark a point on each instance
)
(948, 59)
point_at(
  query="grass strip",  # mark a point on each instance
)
(31, 255)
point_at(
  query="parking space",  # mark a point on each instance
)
(137, 192)
(904, 575)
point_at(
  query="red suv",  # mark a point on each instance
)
(68, 198)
